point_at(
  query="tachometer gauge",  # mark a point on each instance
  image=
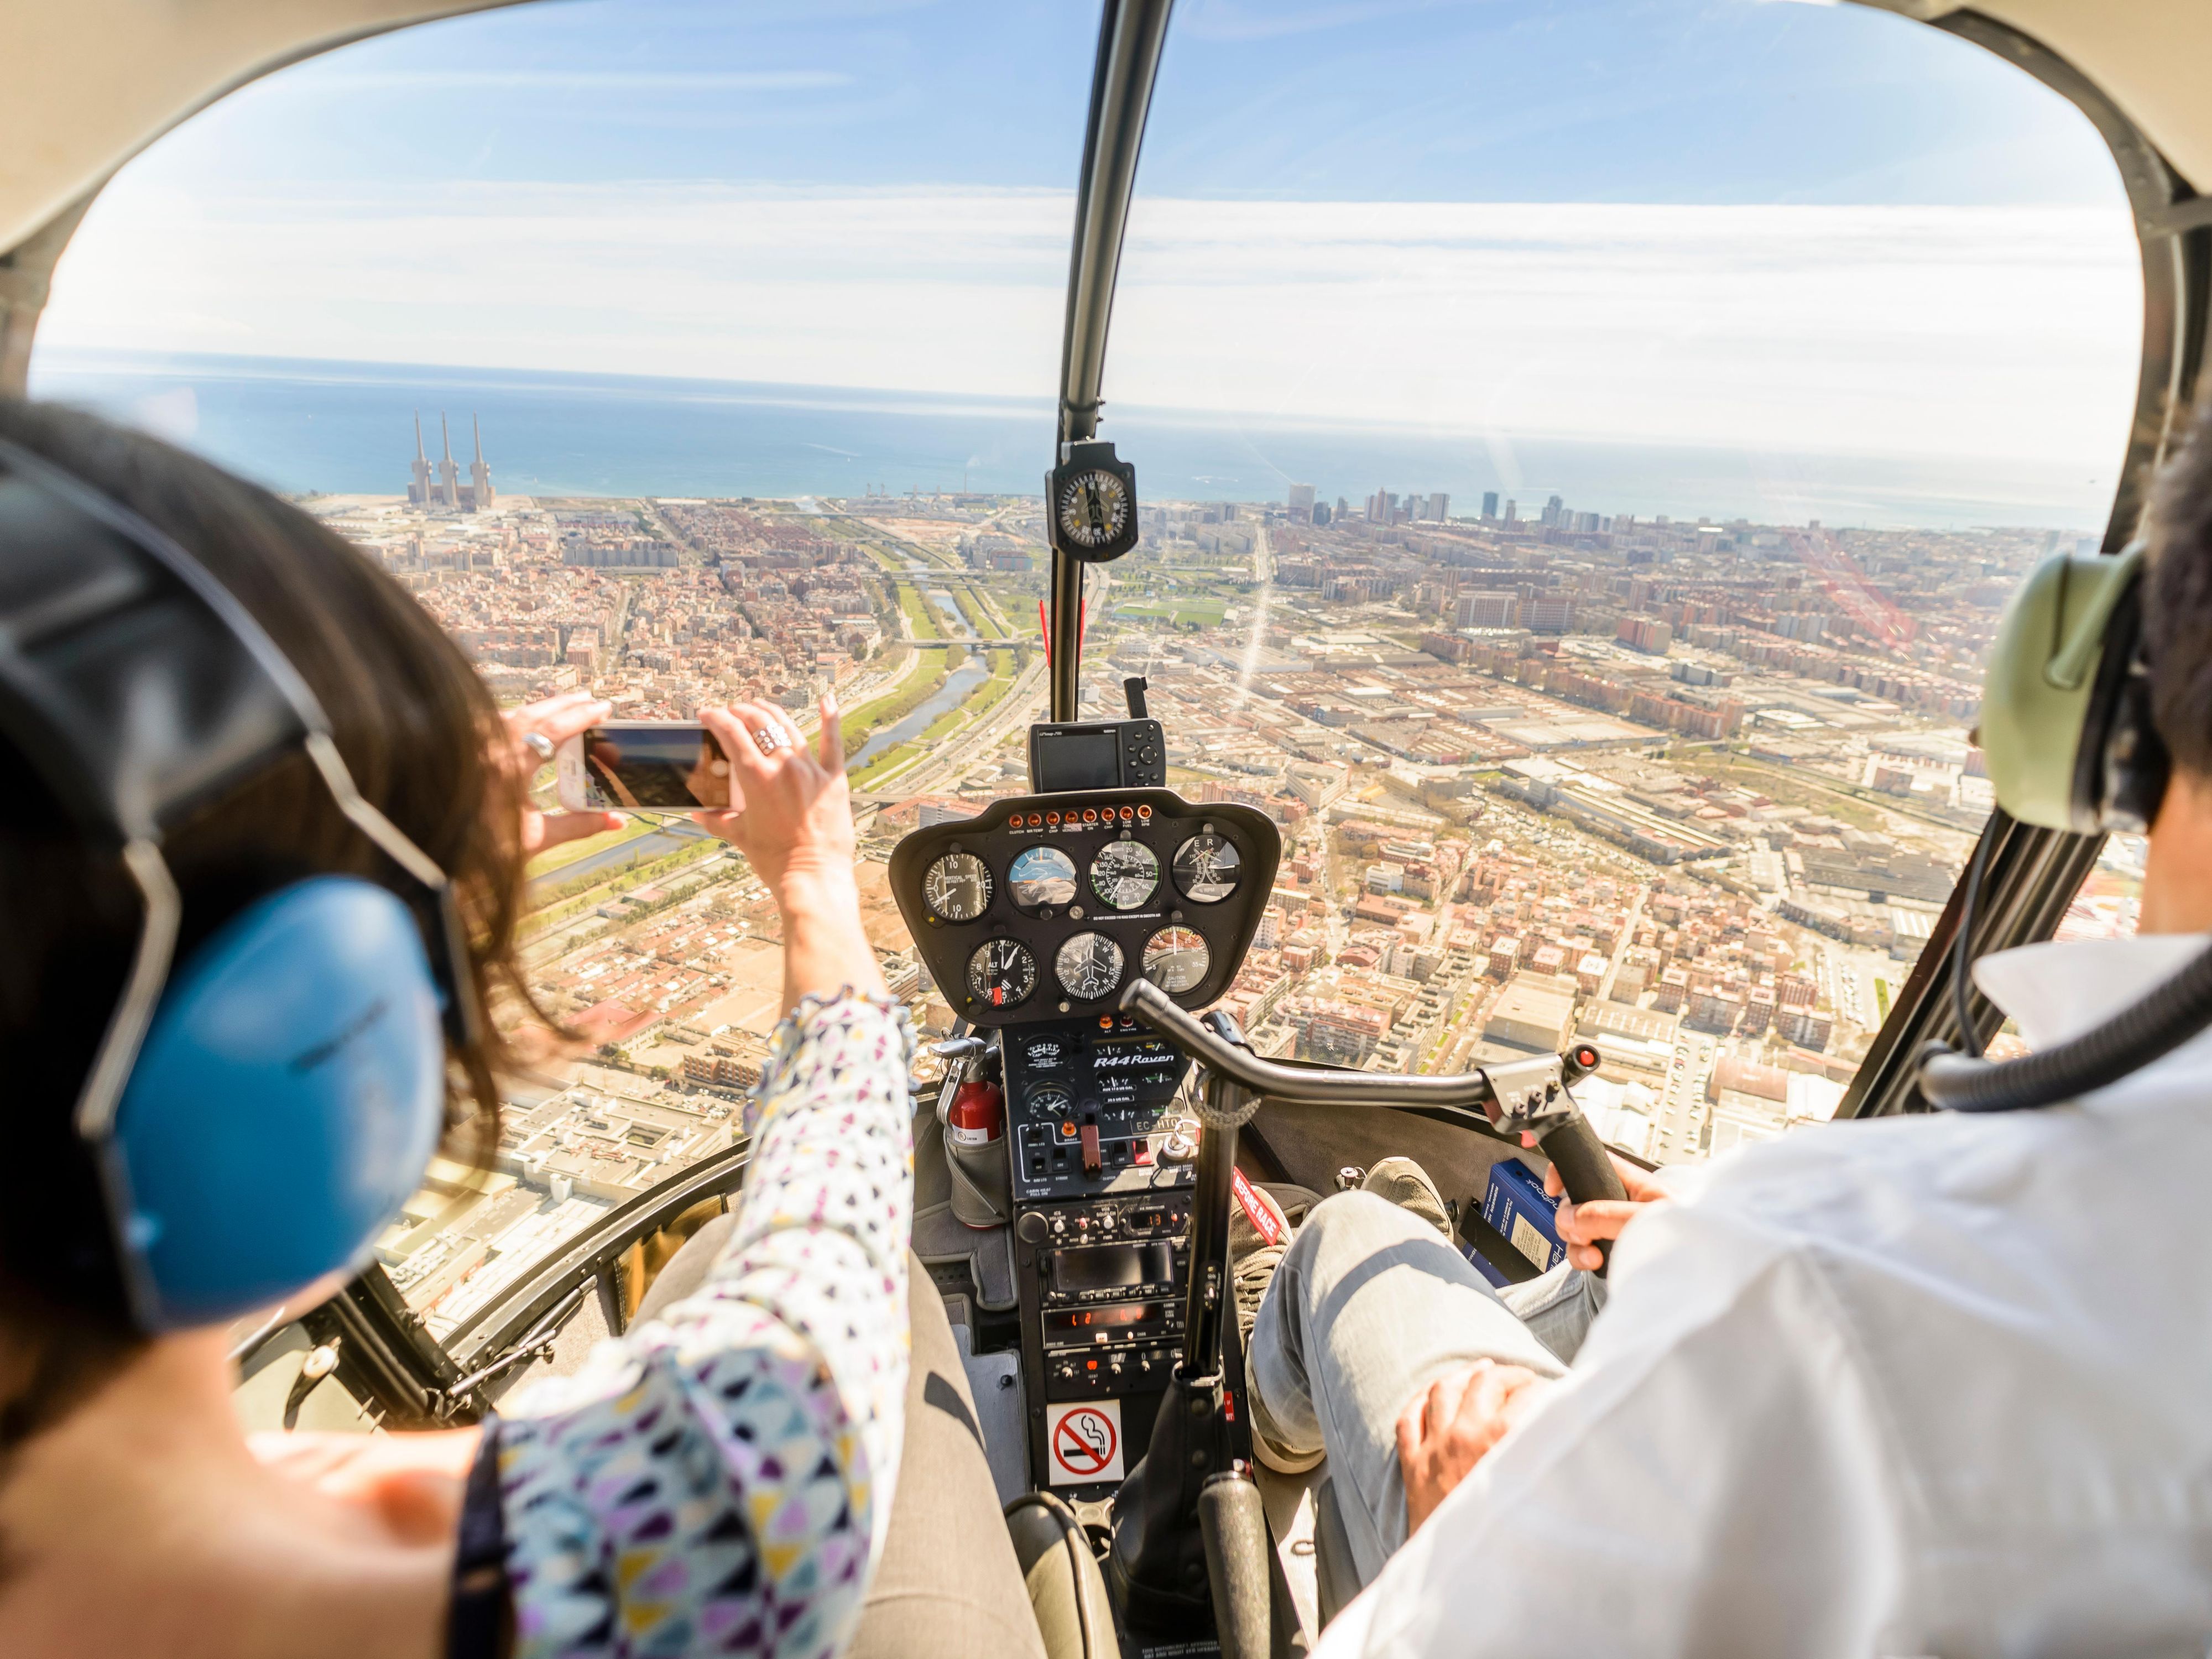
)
(957, 887)
(1176, 959)
(1124, 874)
(1040, 877)
(1206, 867)
(1002, 973)
(1093, 507)
(1089, 966)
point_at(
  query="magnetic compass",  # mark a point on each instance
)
(957, 887)
(1092, 497)
(1093, 507)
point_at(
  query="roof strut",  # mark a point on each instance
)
(1130, 35)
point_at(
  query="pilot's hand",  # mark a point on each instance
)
(557, 719)
(791, 814)
(1452, 1424)
(1582, 1225)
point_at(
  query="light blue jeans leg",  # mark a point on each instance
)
(1370, 1305)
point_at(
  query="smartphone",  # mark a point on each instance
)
(631, 766)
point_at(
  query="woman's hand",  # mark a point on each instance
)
(1582, 1225)
(791, 816)
(557, 719)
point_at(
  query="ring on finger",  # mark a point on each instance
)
(768, 739)
(539, 744)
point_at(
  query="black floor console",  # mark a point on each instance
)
(1101, 1177)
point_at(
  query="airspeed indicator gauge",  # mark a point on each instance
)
(957, 887)
(1002, 973)
(1089, 966)
(1091, 503)
(1124, 874)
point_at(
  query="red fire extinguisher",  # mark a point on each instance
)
(977, 1117)
(976, 1140)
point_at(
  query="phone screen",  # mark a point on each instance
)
(653, 763)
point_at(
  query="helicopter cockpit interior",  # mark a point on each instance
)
(1211, 850)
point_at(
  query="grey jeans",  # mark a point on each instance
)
(1369, 1306)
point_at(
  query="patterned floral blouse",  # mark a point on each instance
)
(718, 1480)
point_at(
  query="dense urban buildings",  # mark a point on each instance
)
(1694, 790)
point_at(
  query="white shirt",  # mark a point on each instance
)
(1932, 1385)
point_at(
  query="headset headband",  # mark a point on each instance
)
(142, 690)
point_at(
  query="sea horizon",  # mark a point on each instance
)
(312, 426)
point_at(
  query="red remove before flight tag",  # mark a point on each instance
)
(1262, 1219)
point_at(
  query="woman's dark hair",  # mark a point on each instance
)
(2178, 600)
(414, 724)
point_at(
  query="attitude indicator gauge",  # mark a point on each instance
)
(1125, 874)
(1002, 973)
(1206, 867)
(1176, 959)
(1041, 877)
(1089, 966)
(957, 887)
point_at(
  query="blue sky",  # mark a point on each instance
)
(1708, 221)
(1506, 101)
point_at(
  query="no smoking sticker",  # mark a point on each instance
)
(1084, 1441)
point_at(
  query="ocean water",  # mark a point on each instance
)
(300, 425)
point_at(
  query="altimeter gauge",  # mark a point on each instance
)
(1002, 973)
(1176, 959)
(1206, 867)
(1124, 874)
(1089, 966)
(957, 887)
(1092, 499)
(1042, 876)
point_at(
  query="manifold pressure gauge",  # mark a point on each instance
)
(1091, 502)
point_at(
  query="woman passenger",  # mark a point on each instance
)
(717, 1481)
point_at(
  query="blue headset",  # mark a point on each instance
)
(259, 1110)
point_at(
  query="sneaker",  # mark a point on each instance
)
(1253, 1258)
(1406, 1185)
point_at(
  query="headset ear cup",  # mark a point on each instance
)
(285, 1104)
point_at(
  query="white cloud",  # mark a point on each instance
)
(1983, 332)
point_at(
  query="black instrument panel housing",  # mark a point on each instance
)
(994, 836)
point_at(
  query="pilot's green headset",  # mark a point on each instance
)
(2068, 734)
(2066, 724)
(260, 1107)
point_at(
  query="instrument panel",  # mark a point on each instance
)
(1044, 907)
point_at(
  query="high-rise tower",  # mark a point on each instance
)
(480, 490)
(449, 476)
(419, 491)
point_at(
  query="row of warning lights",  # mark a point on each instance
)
(1089, 815)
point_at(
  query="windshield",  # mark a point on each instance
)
(681, 351)
(1587, 448)
(1583, 449)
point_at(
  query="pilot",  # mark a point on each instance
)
(726, 1476)
(1930, 1384)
